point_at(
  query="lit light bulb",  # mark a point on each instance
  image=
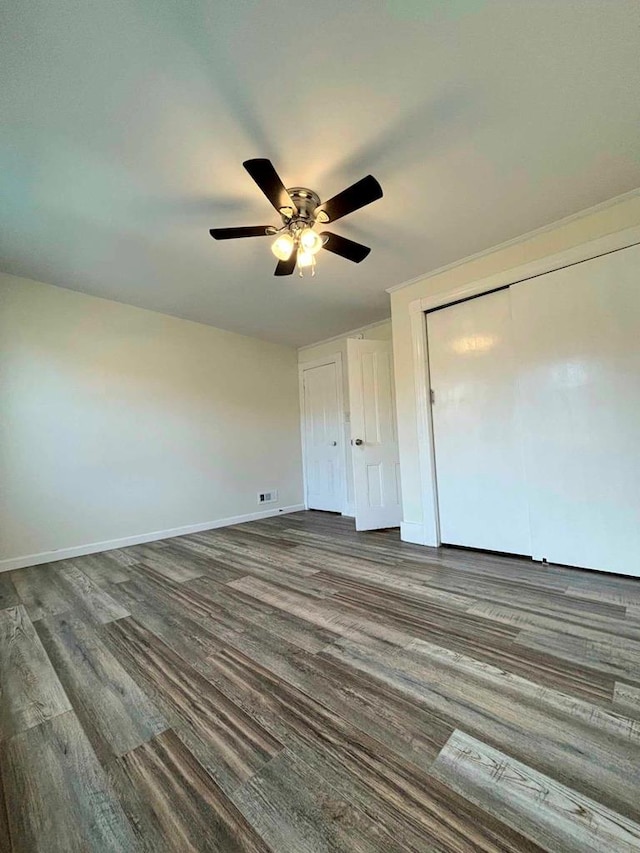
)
(310, 241)
(282, 247)
(305, 259)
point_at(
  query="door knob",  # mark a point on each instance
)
(358, 441)
(334, 443)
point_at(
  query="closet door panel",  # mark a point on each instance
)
(577, 333)
(479, 465)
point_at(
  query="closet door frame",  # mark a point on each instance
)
(427, 531)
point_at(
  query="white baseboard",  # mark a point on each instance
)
(349, 511)
(139, 539)
(412, 531)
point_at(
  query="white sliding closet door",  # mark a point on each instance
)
(578, 334)
(479, 464)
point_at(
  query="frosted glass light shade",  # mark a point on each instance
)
(282, 247)
(305, 259)
(310, 241)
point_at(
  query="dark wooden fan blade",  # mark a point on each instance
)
(353, 198)
(287, 267)
(348, 249)
(233, 233)
(266, 177)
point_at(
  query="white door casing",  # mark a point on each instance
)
(376, 463)
(322, 435)
(478, 450)
(420, 502)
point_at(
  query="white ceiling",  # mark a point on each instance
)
(125, 124)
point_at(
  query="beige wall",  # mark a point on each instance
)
(620, 214)
(118, 422)
(379, 332)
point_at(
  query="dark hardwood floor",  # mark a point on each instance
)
(289, 685)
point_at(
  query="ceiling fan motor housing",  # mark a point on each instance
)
(305, 200)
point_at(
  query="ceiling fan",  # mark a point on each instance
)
(301, 209)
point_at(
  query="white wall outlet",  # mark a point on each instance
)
(269, 497)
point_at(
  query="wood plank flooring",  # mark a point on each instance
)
(292, 686)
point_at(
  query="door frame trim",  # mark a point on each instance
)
(427, 532)
(334, 358)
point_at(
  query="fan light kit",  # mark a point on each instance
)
(301, 209)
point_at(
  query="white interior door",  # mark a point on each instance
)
(479, 460)
(322, 434)
(579, 344)
(374, 438)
